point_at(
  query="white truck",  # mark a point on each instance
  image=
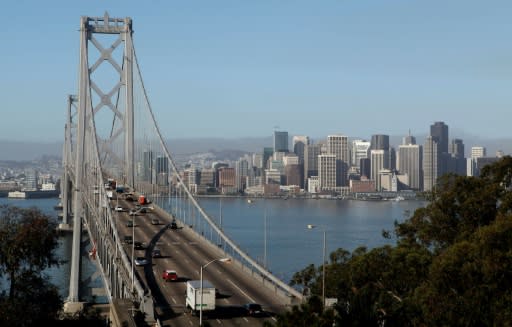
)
(193, 300)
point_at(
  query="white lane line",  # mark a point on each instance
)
(173, 300)
(190, 322)
(218, 321)
(250, 298)
(274, 318)
(218, 271)
(246, 319)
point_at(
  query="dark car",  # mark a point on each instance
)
(139, 245)
(128, 239)
(156, 253)
(173, 225)
(253, 309)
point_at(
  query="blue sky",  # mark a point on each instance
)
(355, 67)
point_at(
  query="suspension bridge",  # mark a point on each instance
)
(111, 133)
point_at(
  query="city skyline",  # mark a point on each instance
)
(354, 68)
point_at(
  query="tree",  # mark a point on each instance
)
(28, 239)
(450, 266)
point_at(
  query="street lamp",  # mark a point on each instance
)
(201, 287)
(323, 261)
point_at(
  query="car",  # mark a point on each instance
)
(141, 261)
(253, 309)
(133, 212)
(156, 253)
(170, 275)
(130, 223)
(139, 245)
(119, 208)
(173, 225)
(155, 221)
(128, 239)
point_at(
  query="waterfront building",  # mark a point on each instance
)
(311, 154)
(31, 177)
(338, 145)
(280, 141)
(360, 150)
(364, 185)
(327, 171)
(313, 184)
(241, 171)
(410, 163)
(227, 180)
(365, 168)
(379, 161)
(430, 164)
(273, 176)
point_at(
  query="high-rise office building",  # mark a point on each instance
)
(299, 146)
(478, 152)
(338, 146)
(379, 161)
(410, 162)
(267, 155)
(380, 142)
(311, 154)
(439, 133)
(409, 139)
(147, 166)
(327, 171)
(241, 172)
(360, 150)
(457, 163)
(280, 141)
(430, 164)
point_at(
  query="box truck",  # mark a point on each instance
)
(193, 300)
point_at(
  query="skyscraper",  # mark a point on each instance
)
(360, 150)
(457, 161)
(311, 154)
(379, 161)
(338, 146)
(299, 146)
(380, 142)
(439, 133)
(430, 164)
(410, 162)
(327, 171)
(280, 141)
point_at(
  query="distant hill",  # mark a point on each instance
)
(18, 151)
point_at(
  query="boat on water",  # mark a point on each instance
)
(249, 201)
(37, 194)
(58, 206)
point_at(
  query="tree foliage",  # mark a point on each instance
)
(451, 265)
(28, 240)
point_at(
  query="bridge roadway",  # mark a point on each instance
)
(184, 251)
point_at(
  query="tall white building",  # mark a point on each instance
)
(430, 164)
(478, 152)
(327, 171)
(338, 145)
(410, 162)
(360, 150)
(379, 160)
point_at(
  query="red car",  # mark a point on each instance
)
(170, 275)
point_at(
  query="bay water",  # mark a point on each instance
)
(273, 231)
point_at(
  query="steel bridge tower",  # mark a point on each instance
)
(86, 118)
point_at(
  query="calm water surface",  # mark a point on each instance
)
(290, 245)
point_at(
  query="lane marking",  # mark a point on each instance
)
(274, 318)
(173, 300)
(236, 286)
(220, 323)
(246, 319)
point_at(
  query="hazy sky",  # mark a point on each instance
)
(240, 68)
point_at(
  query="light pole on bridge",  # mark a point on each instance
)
(201, 287)
(323, 259)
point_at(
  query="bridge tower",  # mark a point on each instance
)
(92, 102)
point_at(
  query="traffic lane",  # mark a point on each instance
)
(225, 277)
(229, 305)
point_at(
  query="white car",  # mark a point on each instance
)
(141, 261)
(119, 208)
